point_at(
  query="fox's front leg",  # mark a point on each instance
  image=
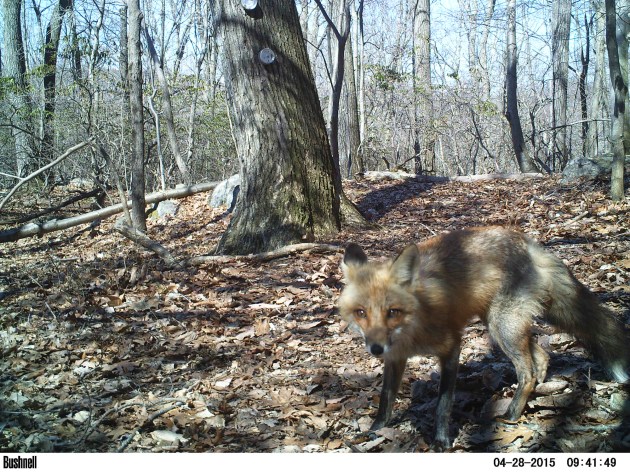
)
(392, 375)
(448, 375)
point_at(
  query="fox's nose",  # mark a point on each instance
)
(376, 349)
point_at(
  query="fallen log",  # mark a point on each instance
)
(389, 175)
(37, 229)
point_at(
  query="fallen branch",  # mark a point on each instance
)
(387, 175)
(143, 240)
(77, 198)
(148, 422)
(22, 181)
(264, 256)
(34, 229)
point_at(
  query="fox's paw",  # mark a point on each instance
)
(441, 444)
(506, 420)
(378, 424)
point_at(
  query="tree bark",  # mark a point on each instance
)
(524, 160)
(351, 144)
(585, 57)
(134, 22)
(51, 46)
(424, 139)
(290, 185)
(619, 104)
(596, 140)
(483, 50)
(623, 30)
(561, 24)
(18, 96)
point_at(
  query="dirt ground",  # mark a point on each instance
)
(103, 348)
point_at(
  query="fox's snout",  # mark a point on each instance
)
(376, 349)
(377, 345)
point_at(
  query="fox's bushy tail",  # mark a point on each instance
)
(574, 308)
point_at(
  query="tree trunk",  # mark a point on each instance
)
(355, 150)
(51, 46)
(18, 97)
(623, 30)
(561, 24)
(585, 57)
(290, 187)
(134, 22)
(619, 104)
(424, 139)
(484, 74)
(596, 140)
(361, 76)
(341, 33)
(168, 110)
(525, 162)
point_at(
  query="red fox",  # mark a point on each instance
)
(419, 303)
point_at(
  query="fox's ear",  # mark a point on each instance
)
(406, 266)
(354, 256)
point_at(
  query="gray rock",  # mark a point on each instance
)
(225, 193)
(167, 208)
(588, 167)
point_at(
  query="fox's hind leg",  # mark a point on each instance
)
(541, 360)
(510, 326)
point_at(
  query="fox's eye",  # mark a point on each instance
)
(393, 313)
(360, 313)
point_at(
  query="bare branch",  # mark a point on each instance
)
(22, 181)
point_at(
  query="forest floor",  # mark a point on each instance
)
(103, 348)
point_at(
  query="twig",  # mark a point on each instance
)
(264, 256)
(143, 240)
(149, 420)
(90, 429)
(576, 218)
(22, 181)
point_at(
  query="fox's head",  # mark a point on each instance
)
(378, 297)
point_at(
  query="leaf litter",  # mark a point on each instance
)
(105, 349)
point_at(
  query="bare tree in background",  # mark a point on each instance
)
(18, 97)
(424, 136)
(619, 104)
(524, 160)
(561, 26)
(134, 23)
(599, 128)
(51, 48)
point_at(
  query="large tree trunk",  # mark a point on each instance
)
(619, 104)
(51, 46)
(561, 21)
(290, 187)
(18, 96)
(524, 160)
(134, 22)
(623, 30)
(424, 139)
